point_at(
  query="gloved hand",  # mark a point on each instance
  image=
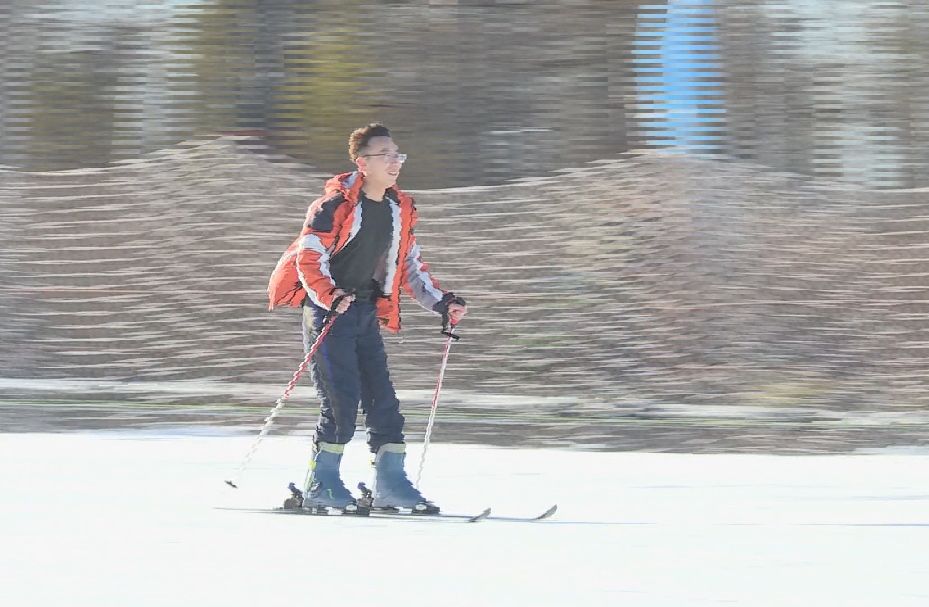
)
(341, 300)
(452, 308)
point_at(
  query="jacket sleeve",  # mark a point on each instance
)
(317, 241)
(415, 277)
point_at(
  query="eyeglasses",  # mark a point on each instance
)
(389, 156)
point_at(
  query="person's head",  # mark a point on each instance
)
(373, 150)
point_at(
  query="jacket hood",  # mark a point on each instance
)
(345, 183)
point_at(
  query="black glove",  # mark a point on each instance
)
(448, 299)
(442, 308)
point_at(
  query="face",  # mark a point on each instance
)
(379, 161)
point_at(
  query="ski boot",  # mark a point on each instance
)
(323, 488)
(392, 489)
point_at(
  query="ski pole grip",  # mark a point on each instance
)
(448, 327)
(442, 308)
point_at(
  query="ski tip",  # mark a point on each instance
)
(547, 513)
(231, 484)
(480, 516)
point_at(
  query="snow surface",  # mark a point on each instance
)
(131, 519)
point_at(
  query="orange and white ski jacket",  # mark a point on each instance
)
(332, 221)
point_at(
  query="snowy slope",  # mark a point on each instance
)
(131, 519)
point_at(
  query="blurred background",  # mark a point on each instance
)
(695, 225)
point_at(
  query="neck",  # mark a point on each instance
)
(373, 191)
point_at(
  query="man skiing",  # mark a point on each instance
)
(355, 253)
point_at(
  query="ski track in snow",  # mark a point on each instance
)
(133, 518)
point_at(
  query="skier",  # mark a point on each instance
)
(355, 252)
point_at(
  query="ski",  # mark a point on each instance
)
(484, 515)
(527, 519)
(363, 508)
(367, 501)
(373, 514)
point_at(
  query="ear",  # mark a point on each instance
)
(362, 164)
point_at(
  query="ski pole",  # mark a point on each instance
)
(326, 326)
(450, 332)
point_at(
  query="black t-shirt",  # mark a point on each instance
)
(354, 265)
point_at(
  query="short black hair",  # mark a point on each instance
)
(360, 137)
